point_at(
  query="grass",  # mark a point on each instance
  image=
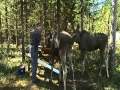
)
(8, 67)
(8, 78)
(9, 81)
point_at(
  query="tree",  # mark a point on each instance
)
(0, 26)
(114, 27)
(26, 19)
(16, 21)
(22, 27)
(118, 15)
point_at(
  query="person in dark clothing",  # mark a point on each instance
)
(35, 37)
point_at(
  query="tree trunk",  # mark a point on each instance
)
(6, 30)
(22, 24)
(45, 18)
(114, 18)
(58, 15)
(82, 14)
(6, 20)
(0, 29)
(26, 20)
(92, 28)
(16, 24)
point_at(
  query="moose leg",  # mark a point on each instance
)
(72, 67)
(100, 63)
(100, 79)
(83, 60)
(52, 64)
(61, 58)
(107, 61)
(107, 66)
(64, 67)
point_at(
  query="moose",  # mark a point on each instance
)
(62, 42)
(89, 42)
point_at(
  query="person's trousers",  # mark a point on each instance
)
(34, 57)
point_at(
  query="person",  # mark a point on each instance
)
(35, 37)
